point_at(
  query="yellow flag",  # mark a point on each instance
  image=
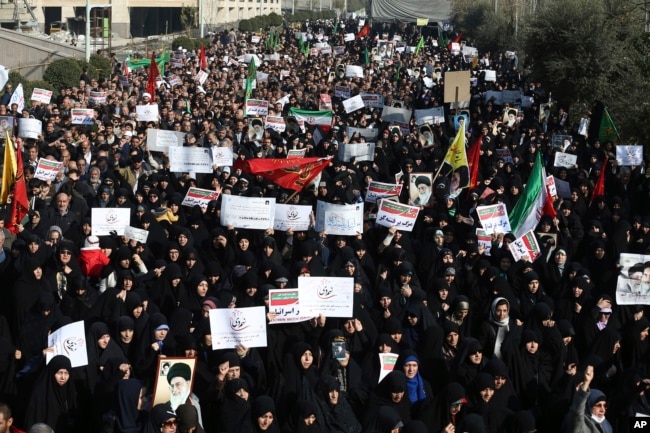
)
(8, 170)
(457, 158)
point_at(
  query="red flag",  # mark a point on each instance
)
(203, 61)
(295, 173)
(599, 189)
(364, 31)
(20, 203)
(473, 159)
(153, 74)
(456, 40)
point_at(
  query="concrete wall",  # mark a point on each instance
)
(31, 55)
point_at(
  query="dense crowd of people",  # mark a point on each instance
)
(485, 343)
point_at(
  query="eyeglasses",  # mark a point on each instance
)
(170, 423)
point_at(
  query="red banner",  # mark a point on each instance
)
(295, 173)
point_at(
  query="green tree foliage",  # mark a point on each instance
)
(485, 28)
(63, 73)
(584, 50)
(102, 66)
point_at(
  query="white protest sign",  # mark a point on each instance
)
(359, 151)
(200, 197)
(339, 50)
(485, 240)
(566, 160)
(353, 104)
(430, 116)
(370, 134)
(257, 107)
(285, 304)
(490, 75)
(563, 187)
(525, 247)
(159, 140)
(97, 97)
(174, 80)
(395, 115)
(393, 214)
(372, 100)
(353, 71)
(378, 190)
(69, 341)
(289, 216)
(275, 123)
(137, 234)
(629, 155)
(550, 186)
(504, 153)
(342, 91)
(147, 113)
(222, 156)
(387, 362)
(82, 116)
(349, 37)
(190, 159)
(337, 219)
(41, 95)
(329, 296)
(201, 76)
(296, 153)
(47, 170)
(232, 327)
(247, 212)
(106, 220)
(494, 218)
(29, 128)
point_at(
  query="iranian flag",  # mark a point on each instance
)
(533, 203)
(322, 119)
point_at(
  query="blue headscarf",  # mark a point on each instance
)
(415, 386)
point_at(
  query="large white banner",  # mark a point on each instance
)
(232, 327)
(289, 216)
(69, 341)
(339, 219)
(190, 159)
(329, 296)
(106, 220)
(400, 215)
(247, 212)
(160, 140)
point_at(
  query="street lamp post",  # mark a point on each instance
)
(87, 41)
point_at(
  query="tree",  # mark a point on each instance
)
(584, 50)
(188, 17)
